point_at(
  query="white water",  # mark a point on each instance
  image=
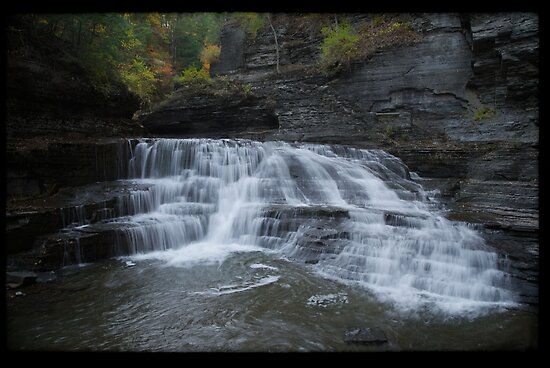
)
(374, 226)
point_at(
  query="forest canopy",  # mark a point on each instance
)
(145, 51)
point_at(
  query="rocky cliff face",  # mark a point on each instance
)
(57, 119)
(460, 107)
(47, 99)
(190, 114)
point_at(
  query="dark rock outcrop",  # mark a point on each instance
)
(49, 92)
(232, 37)
(505, 61)
(368, 335)
(30, 222)
(190, 114)
(58, 118)
(40, 166)
(47, 100)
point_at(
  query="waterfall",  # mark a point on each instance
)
(352, 215)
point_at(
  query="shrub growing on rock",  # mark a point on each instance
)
(483, 113)
(340, 46)
(195, 76)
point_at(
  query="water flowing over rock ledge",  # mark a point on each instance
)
(337, 209)
(484, 172)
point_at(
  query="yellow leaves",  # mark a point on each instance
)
(100, 28)
(483, 113)
(154, 20)
(138, 77)
(339, 46)
(130, 43)
(194, 75)
(209, 54)
(378, 20)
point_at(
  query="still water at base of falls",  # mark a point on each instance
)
(353, 216)
(252, 301)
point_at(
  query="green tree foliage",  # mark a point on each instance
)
(132, 48)
(339, 47)
(382, 33)
(209, 54)
(483, 113)
(191, 33)
(140, 49)
(194, 76)
(139, 78)
(250, 22)
(344, 43)
(143, 51)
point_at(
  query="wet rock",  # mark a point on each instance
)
(324, 233)
(521, 249)
(90, 245)
(326, 300)
(23, 226)
(322, 212)
(20, 279)
(509, 205)
(506, 163)
(366, 336)
(28, 220)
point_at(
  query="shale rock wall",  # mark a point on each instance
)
(423, 102)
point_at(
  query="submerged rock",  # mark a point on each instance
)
(366, 336)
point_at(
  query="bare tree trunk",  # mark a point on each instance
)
(92, 34)
(63, 27)
(173, 38)
(79, 33)
(276, 42)
(53, 27)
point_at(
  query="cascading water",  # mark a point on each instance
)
(354, 215)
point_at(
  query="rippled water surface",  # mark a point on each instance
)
(252, 301)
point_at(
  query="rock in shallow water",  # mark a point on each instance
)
(19, 279)
(328, 299)
(365, 336)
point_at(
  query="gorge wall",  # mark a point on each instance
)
(60, 125)
(459, 107)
